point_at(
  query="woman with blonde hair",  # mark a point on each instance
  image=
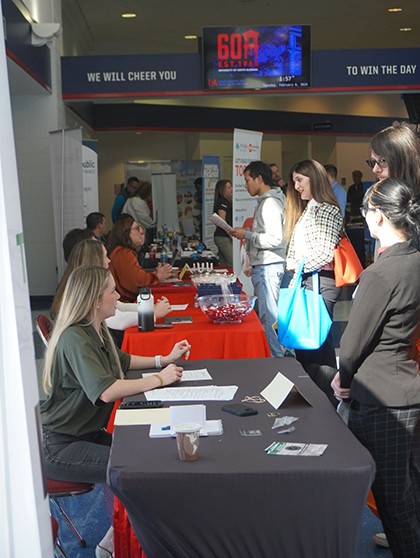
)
(313, 227)
(84, 374)
(92, 252)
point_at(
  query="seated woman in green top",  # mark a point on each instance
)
(84, 375)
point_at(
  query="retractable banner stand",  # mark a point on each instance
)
(25, 525)
(90, 177)
(67, 186)
(164, 201)
(210, 174)
(246, 148)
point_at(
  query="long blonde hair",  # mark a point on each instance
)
(84, 288)
(86, 252)
(320, 189)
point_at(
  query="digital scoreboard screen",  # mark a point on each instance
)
(257, 57)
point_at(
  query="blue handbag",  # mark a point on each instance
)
(303, 319)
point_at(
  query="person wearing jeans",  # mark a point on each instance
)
(266, 246)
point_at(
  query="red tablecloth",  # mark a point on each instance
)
(208, 340)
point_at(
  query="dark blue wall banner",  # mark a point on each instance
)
(177, 74)
(36, 61)
(384, 69)
(108, 76)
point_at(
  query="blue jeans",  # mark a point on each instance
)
(266, 280)
(77, 458)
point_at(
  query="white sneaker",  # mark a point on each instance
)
(380, 540)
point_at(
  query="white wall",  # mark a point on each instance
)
(34, 116)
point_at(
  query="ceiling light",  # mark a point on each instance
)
(190, 37)
(405, 29)
(128, 16)
(394, 9)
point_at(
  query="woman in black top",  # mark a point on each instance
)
(379, 363)
(223, 207)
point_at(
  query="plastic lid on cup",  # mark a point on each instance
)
(187, 427)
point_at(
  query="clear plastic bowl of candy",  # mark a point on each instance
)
(227, 309)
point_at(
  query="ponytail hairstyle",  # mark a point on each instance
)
(87, 252)
(83, 290)
(320, 189)
(399, 203)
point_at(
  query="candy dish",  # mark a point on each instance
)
(227, 309)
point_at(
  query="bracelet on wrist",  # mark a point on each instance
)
(159, 378)
(158, 363)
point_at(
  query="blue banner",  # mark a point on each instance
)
(366, 69)
(160, 74)
(96, 76)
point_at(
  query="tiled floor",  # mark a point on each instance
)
(90, 512)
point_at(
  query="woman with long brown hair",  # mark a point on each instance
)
(313, 226)
(125, 240)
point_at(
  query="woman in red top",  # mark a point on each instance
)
(125, 240)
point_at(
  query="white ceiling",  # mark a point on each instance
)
(160, 25)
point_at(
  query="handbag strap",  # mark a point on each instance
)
(298, 278)
(315, 282)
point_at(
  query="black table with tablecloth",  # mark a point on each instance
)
(236, 501)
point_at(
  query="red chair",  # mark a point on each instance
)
(56, 540)
(44, 328)
(61, 489)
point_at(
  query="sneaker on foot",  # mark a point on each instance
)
(380, 540)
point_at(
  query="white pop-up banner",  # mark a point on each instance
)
(90, 177)
(246, 148)
(67, 186)
(25, 525)
(211, 174)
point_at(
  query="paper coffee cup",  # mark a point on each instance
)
(187, 440)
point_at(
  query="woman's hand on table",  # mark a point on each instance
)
(340, 393)
(163, 271)
(181, 349)
(162, 307)
(171, 374)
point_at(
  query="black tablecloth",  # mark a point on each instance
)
(235, 501)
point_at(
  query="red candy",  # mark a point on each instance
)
(228, 312)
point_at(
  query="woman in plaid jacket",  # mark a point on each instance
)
(313, 224)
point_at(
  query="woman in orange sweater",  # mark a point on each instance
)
(125, 240)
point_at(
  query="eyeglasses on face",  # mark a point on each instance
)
(364, 211)
(381, 162)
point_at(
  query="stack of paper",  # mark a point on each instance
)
(188, 375)
(193, 393)
(186, 413)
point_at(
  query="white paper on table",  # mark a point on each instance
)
(221, 270)
(194, 393)
(277, 390)
(187, 413)
(188, 375)
(219, 222)
(130, 417)
(179, 307)
(212, 428)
